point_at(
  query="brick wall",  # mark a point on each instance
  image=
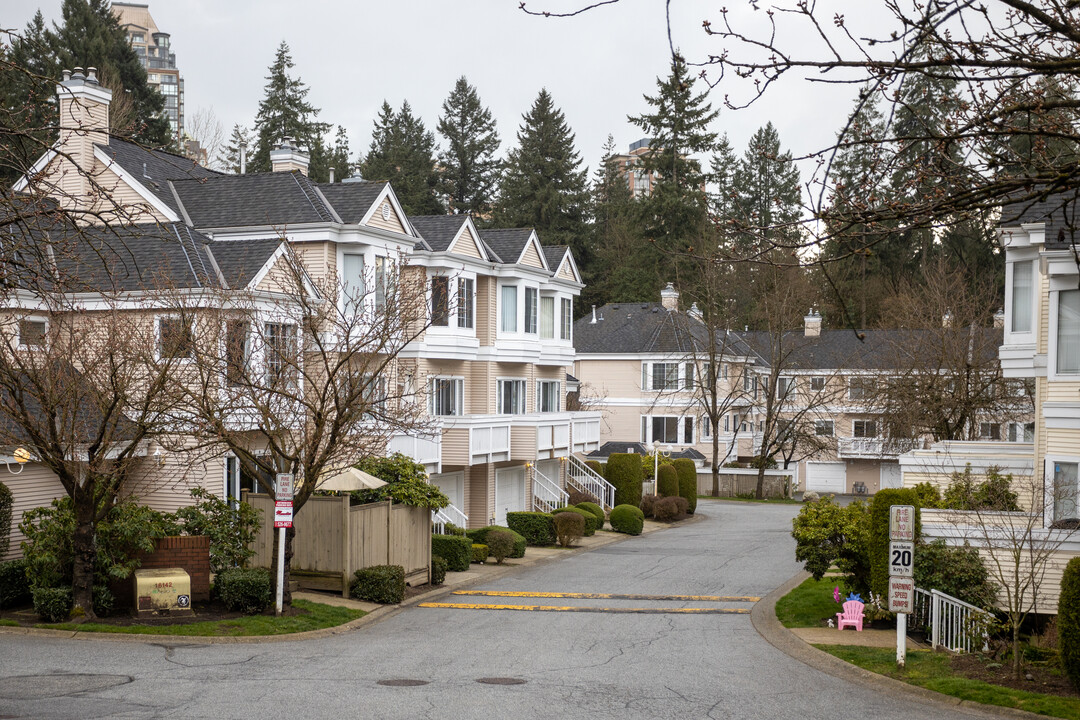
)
(192, 553)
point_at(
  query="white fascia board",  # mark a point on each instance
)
(449, 261)
(309, 286)
(533, 240)
(37, 168)
(475, 235)
(388, 195)
(520, 272)
(256, 232)
(1061, 415)
(153, 200)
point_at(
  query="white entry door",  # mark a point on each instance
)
(829, 477)
(509, 492)
(453, 486)
(891, 475)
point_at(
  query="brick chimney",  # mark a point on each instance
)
(669, 297)
(84, 122)
(288, 157)
(812, 323)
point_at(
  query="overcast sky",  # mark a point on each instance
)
(353, 55)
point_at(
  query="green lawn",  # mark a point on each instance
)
(931, 670)
(318, 616)
(9, 623)
(808, 604)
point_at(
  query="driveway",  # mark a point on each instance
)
(597, 664)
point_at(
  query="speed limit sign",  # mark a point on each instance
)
(901, 559)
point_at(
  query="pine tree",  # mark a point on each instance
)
(340, 156)
(28, 116)
(469, 168)
(723, 204)
(543, 184)
(675, 214)
(91, 36)
(769, 196)
(402, 152)
(284, 112)
(230, 154)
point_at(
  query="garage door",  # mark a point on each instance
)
(830, 477)
(891, 476)
(509, 493)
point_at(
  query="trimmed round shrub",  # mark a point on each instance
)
(569, 527)
(590, 519)
(623, 470)
(648, 505)
(596, 510)
(666, 509)
(14, 585)
(576, 497)
(456, 550)
(53, 605)
(379, 583)
(687, 472)
(248, 590)
(668, 482)
(501, 544)
(536, 527)
(480, 553)
(1068, 622)
(480, 535)
(627, 519)
(595, 466)
(438, 570)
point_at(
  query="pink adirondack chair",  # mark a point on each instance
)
(852, 615)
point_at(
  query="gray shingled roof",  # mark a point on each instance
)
(277, 199)
(1059, 212)
(554, 255)
(241, 260)
(438, 230)
(154, 168)
(508, 244)
(352, 200)
(644, 328)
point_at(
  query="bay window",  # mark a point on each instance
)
(281, 353)
(1066, 506)
(547, 395)
(567, 318)
(440, 301)
(1023, 287)
(508, 313)
(1068, 331)
(465, 302)
(530, 310)
(352, 279)
(547, 318)
(446, 396)
(511, 397)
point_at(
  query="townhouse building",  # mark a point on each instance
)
(491, 350)
(650, 368)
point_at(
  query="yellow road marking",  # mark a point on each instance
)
(557, 608)
(608, 596)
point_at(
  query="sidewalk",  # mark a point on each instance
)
(866, 638)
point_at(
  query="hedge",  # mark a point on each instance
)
(667, 508)
(878, 555)
(590, 519)
(248, 590)
(648, 505)
(623, 470)
(668, 482)
(14, 587)
(456, 550)
(1068, 622)
(627, 519)
(500, 545)
(53, 604)
(479, 535)
(380, 583)
(569, 526)
(479, 553)
(596, 510)
(536, 527)
(687, 472)
(438, 570)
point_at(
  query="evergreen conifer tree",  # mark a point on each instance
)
(28, 116)
(340, 158)
(402, 152)
(469, 168)
(543, 184)
(769, 196)
(230, 154)
(285, 112)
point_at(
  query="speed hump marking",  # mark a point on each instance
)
(901, 559)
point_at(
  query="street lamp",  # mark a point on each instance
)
(655, 450)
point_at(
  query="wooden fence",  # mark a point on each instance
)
(743, 481)
(333, 540)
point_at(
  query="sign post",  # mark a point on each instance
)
(901, 581)
(283, 518)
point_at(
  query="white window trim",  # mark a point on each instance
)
(460, 404)
(157, 338)
(519, 310)
(1021, 338)
(525, 394)
(42, 319)
(1052, 343)
(680, 382)
(558, 395)
(832, 428)
(566, 320)
(1048, 482)
(679, 432)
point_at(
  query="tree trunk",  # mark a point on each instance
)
(84, 554)
(1016, 650)
(715, 460)
(760, 494)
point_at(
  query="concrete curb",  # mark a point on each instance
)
(378, 615)
(763, 617)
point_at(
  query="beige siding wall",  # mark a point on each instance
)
(531, 257)
(486, 306)
(278, 279)
(481, 388)
(566, 272)
(522, 443)
(455, 448)
(479, 494)
(33, 487)
(392, 223)
(320, 261)
(466, 245)
(167, 487)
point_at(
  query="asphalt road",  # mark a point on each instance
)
(595, 665)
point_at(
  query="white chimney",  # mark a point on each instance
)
(331, 176)
(812, 323)
(243, 157)
(593, 321)
(695, 312)
(288, 157)
(84, 122)
(669, 297)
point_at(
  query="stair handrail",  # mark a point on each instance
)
(953, 623)
(449, 514)
(547, 495)
(585, 479)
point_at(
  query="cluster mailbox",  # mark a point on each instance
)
(165, 591)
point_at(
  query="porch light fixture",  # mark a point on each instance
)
(22, 456)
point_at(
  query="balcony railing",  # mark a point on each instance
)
(424, 449)
(874, 447)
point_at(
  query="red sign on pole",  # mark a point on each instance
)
(283, 514)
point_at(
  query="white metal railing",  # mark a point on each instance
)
(583, 478)
(547, 495)
(952, 623)
(448, 514)
(874, 447)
